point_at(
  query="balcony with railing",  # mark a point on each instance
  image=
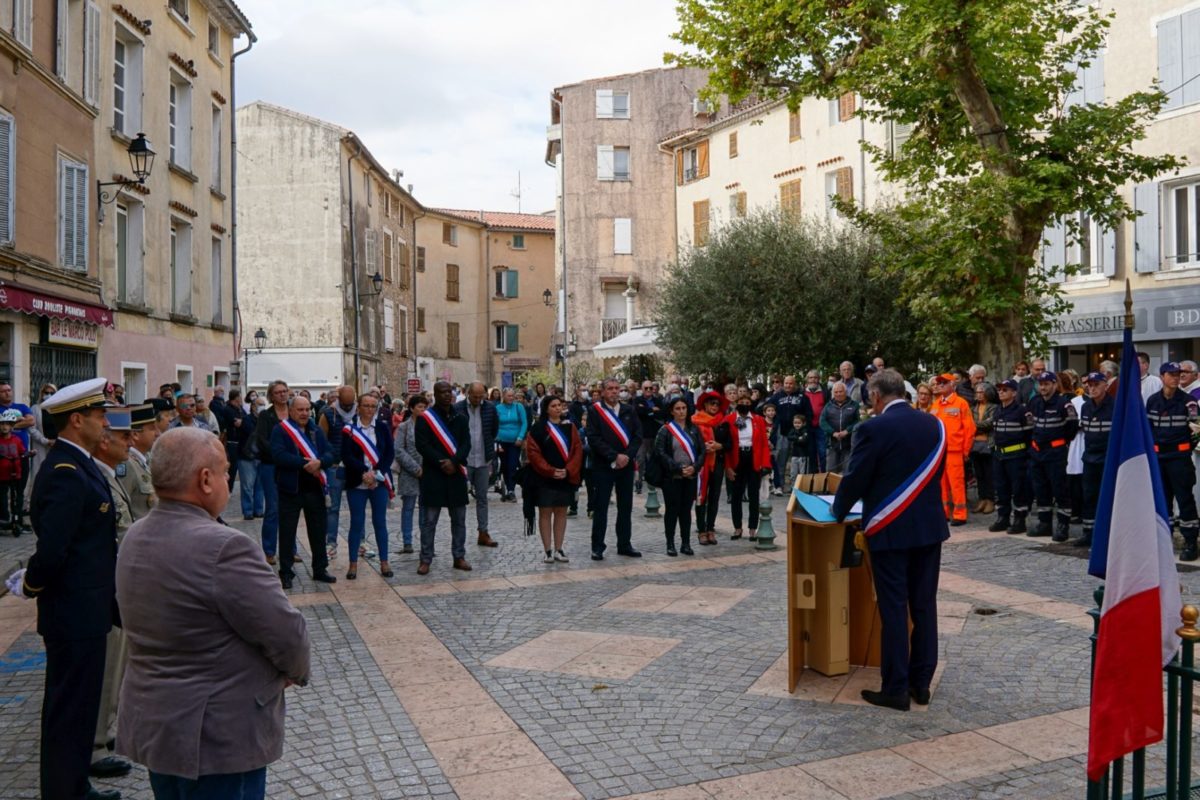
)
(612, 328)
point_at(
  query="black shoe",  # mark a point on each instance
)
(324, 577)
(1001, 524)
(102, 794)
(899, 703)
(958, 522)
(687, 550)
(919, 696)
(597, 555)
(110, 767)
(1039, 530)
(671, 551)
(630, 553)
(1018, 525)
(1189, 552)
(407, 549)
(1062, 533)
(352, 576)
(1083, 541)
(286, 581)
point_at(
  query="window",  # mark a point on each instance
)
(180, 7)
(506, 282)
(420, 259)
(789, 199)
(793, 125)
(402, 263)
(8, 140)
(507, 338)
(370, 253)
(216, 147)
(217, 295)
(1179, 59)
(733, 145)
(838, 183)
(389, 325)
(452, 343)
(1181, 224)
(898, 134)
(737, 205)
(1089, 85)
(691, 163)
(450, 234)
(402, 327)
(388, 255)
(127, 83)
(183, 376)
(1092, 253)
(23, 22)
(179, 122)
(133, 378)
(214, 40)
(420, 319)
(700, 223)
(622, 236)
(73, 189)
(91, 54)
(518, 241)
(452, 282)
(612, 163)
(181, 267)
(612, 105)
(128, 235)
(846, 107)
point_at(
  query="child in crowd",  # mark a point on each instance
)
(12, 454)
(798, 444)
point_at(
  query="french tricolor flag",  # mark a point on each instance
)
(1132, 552)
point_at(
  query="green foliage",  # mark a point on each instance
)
(768, 294)
(995, 155)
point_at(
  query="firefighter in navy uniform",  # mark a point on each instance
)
(1010, 451)
(1171, 412)
(1095, 426)
(1054, 426)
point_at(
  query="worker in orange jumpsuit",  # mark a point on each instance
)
(959, 423)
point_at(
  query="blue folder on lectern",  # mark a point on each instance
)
(819, 506)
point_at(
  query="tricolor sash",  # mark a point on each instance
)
(614, 423)
(305, 447)
(685, 442)
(369, 451)
(902, 498)
(560, 442)
(443, 435)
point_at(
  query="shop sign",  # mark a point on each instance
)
(70, 332)
(27, 301)
(1178, 318)
(413, 386)
(1098, 323)
(521, 361)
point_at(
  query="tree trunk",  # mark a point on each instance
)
(1001, 347)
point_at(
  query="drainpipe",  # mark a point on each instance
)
(233, 194)
(416, 368)
(487, 300)
(862, 159)
(562, 232)
(354, 263)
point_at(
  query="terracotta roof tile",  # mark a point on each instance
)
(504, 219)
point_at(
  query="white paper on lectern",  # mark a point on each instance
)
(855, 509)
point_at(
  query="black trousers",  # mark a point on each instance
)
(706, 514)
(1178, 478)
(982, 464)
(315, 514)
(605, 479)
(746, 483)
(70, 708)
(1092, 475)
(679, 495)
(1050, 486)
(12, 501)
(906, 586)
(1011, 481)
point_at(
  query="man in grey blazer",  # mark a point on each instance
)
(213, 640)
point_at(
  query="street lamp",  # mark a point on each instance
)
(547, 298)
(141, 161)
(260, 341)
(377, 282)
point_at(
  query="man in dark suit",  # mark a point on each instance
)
(895, 469)
(444, 441)
(301, 455)
(614, 436)
(72, 575)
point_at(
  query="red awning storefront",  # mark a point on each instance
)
(28, 301)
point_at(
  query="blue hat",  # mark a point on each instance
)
(1047, 376)
(1095, 377)
(1169, 366)
(119, 418)
(1009, 384)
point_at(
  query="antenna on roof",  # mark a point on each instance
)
(517, 192)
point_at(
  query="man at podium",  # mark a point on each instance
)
(895, 469)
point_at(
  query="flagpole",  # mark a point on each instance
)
(1129, 320)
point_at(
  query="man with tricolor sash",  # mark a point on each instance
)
(615, 436)
(301, 456)
(443, 439)
(895, 469)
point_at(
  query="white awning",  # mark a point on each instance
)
(633, 342)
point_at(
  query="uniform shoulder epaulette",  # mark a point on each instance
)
(65, 464)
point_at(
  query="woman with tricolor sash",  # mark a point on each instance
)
(680, 448)
(555, 453)
(367, 455)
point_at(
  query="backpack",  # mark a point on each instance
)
(656, 471)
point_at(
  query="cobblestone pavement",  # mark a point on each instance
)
(643, 677)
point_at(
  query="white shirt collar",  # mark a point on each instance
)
(898, 400)
(105, 468)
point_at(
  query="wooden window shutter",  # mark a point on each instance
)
(700, 223)
(845, 183)
(741, 204)
(679, 168)
(733, 151)
(846, 106)
(512, 338)
(793, 125)
(6, 178)
(789, 199)
(702, 159)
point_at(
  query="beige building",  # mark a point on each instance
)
(616, 196)
(165, 245)
(52, 316)
(1160, 251)
(325, 254)
(452, 299)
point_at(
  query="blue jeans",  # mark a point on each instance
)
(270, 523)
(408, 504)
(336, 485)
(252, 491)
(250, 785)
(357, 500)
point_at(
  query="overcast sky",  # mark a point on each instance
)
(453, 92)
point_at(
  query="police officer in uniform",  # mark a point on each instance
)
(1054, 426)
(1095, 426)
(1010, 451)
(1171, 412)
(134, 474)
(72, 575)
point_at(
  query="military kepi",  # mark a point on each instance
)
(142, 415)
(77, 397)
(119, 418)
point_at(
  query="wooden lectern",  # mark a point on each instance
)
(833, 619)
